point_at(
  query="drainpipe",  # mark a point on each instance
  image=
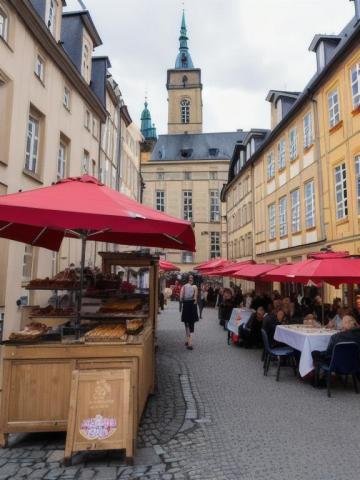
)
(320, 175)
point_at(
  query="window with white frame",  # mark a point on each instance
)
(293, 143)
(341, 195)
(357, 179)
(187, 205)
(61, 163)
(187, 257)
(185, 110)
(270, 166)
(86, 163)
(40, 67)
(86, 62)
(272, 221)
(214, 206)
(66, 98)
(308, 130)
(214, 244)
(51, 15)
(213, 175)
(309, 194)
(160, 176)
(295, 211)
(32, 144)
(334, 108)
(187, 175)
(95, 127)
(281, 154)
(160, 200)
(87, 119)
(283, 216)
(355, 85)
(27, 263)
(3, 25)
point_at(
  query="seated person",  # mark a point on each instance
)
(271, 321)
(310, 320)
(225, 307)
(250, 334)
(294, 314)
(356, 310)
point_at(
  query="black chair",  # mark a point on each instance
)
(277, 353)
(345, 360)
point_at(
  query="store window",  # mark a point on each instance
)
(40, 68)
(32, 144)
(283, 216)
(293, 143)
(214, 244)
(272, 220)
(341, 195)
(308, 130)
(282, 154)
(355, 85)
(214, 206)
(309, 194)
(187, 205)
(295, 211)
(185, 110)
(160, 200)
(334, 108)
(357, 180)
(3, 25)
(270, 166)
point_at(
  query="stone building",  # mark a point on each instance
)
(186, 170)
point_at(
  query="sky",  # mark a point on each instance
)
(244, 48)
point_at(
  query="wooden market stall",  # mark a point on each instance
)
(38, 376)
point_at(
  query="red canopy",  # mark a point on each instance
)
(217, 266)
(253, 271)
(213, 263)
(228, 270)
(42, 217)
(330, 267)
(166, 266)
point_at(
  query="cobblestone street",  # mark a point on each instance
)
(215, 417)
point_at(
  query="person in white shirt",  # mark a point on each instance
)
(189, 313)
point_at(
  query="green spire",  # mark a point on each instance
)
(147, 128)
(183, 59)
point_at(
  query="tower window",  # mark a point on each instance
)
(186, 152)
(185, 110)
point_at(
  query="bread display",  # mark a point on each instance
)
(51, 311)
(107, 333)
(31, 332)
(134, 326)
(117, 306)
(67, 278)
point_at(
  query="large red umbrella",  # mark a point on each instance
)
(254, 271)
(83, 206)
(210, 263)
(166, 266)
(228, 270)
(217, 263)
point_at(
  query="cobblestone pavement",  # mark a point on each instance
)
(214, 417)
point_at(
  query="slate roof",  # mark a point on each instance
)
(196, 146)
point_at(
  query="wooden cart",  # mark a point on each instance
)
(37, 378)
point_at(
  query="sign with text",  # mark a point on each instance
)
(100, 413)
(239, 316)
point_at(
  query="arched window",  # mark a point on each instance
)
(185, 110)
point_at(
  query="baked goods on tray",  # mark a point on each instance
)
(51, 311)
(134, 326)
(107, 333)
(118, 306)
(32, 331)
(67, 278)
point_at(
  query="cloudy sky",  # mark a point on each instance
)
(244, 48)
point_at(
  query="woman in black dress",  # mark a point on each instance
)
(189, 314)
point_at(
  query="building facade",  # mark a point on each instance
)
(51, 126)
(184, 171)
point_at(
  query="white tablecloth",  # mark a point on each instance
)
(306, 340)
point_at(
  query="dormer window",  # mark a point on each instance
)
(279, 110)
(51, 15)
(252, 146)
(184, 80)
(321, 56)
(186, 152)
(248, 151)
(86, 62)
(213, 152)
(242, 158)
(3, 25)
(185, 110)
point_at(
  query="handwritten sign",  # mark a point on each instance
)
(101, 411)
(239, 316)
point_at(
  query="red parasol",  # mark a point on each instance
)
(254, 271)
(213, 264)
(166, 266)
(228, 270)
(210, 263)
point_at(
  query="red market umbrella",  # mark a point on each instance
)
(254, 271)
(228, 270)
(166, 266)
(209, 266)
(209, 263)
(82, 207)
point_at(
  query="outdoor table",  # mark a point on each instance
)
(306, 340)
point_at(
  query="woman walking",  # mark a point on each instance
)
(202, 298)
(189, 314)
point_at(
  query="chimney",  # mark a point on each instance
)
(357, 8)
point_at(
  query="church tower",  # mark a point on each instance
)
(184, 91)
